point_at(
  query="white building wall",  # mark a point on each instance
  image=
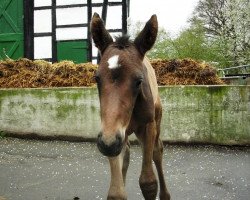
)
(67, 16)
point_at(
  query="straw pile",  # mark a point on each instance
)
(185, 72)
(24, 73)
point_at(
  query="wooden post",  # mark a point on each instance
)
(28, 19)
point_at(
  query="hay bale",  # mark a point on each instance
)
(185, 72)
(24, 73)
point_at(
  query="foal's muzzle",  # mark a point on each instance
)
(111, 150)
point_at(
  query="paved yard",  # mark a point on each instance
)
(56, 170)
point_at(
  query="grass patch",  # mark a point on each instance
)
(2, 134)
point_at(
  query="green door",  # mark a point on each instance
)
(72, 50)
(11, 29)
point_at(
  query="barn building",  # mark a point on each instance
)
(56, 30)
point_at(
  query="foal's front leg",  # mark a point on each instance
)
(147, 181)
(118, 168)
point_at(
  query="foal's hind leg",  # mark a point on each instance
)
(157, 157)
(147, 181)
(158, 154)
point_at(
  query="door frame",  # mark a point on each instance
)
(28, 9)
(28, 26)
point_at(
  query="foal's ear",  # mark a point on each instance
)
(100, 35)
(146, 38)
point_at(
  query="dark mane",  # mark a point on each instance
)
(122, 42)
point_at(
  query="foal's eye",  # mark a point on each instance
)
(97, 78)
(138, 82)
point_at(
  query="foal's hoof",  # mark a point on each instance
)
(149, 190)
(165, 196)
(116, 198)
(114, 195)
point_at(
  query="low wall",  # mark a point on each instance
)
(206, 114)
(192, 114)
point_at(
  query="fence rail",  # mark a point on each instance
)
(236, 71)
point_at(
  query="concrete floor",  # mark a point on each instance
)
(56, 170)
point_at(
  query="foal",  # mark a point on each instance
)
(129, 103)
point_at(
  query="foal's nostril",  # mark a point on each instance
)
(99, 135)
(118, 138)
(112, 149)
(100, 143)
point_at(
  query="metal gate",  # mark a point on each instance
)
(11, 29)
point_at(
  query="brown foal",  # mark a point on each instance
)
(129, 103)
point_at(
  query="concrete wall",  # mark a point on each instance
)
(203, 114)
(209, 114)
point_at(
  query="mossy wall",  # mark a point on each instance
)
(206, 114)
(203, 114)
(50, 112)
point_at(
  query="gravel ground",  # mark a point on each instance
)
(57, 170)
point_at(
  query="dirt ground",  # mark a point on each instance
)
(58, 170)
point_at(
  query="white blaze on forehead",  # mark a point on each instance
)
(113, 62)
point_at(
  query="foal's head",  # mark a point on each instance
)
(120, 77)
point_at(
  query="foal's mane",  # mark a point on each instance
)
(122, 42)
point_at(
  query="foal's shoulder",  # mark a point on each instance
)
(151, 78)
(150, 69)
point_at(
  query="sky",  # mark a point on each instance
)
(172, 14)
